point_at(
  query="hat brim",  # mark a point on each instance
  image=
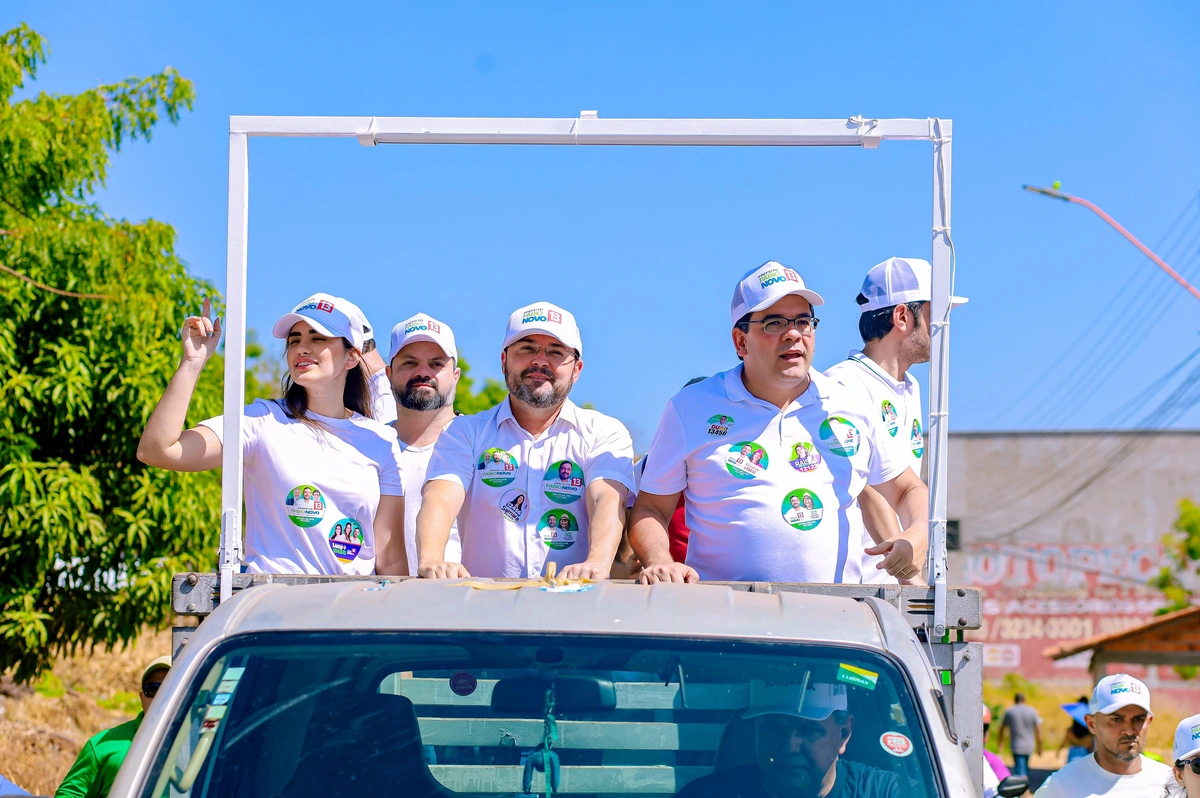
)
(162, 663)
(534, 329)
(1113, 707)
(804, 714)
(1189, 754)
(813, 298)
(285, 323)
(421, 338)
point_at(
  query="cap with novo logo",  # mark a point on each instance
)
(1187, 739)
(1116, 691)
(542, 318)
(422, 327)
(765, 285)
(328, 315)
(818, 702)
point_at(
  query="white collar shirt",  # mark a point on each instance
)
(517, 485)
(770, 494)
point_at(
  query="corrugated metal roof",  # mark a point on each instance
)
(448, 605)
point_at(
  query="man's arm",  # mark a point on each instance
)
(648, 535)
(390, 555)
(82, 780)
(908, 496)
(606, 510)
(441, 500)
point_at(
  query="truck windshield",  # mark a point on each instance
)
(333, 714)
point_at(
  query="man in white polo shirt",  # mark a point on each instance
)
(422, 374)
(1119, 716)
(536, 479)
(894, 326)
(786, 511)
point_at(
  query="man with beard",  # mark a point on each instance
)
(894, 326)
(1119, 716)
(798, 745)
(423, 373)
(539, 427)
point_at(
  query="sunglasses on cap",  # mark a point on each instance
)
(149, 689)
(1193, 763)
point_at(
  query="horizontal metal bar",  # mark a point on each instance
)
(642, 779)
(634, 736)
(630, 695)
(848, 132)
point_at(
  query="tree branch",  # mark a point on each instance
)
(51, 289)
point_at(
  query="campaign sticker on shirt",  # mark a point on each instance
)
(720, 425)
(840, 436)
(891, 418)
(463, 683)
(346, 538)
(746, 460)
(896, 744)
(563, 482)
(514, 505)
(497, 467)
(805, 457)
(559, 529)
(802, 509)
(916, 441)
(305, 505)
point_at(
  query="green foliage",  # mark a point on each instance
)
(1182, 547)
(123, 701)
(468, 402)
(50, 686)
(90, 537)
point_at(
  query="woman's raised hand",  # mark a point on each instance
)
(200, 336)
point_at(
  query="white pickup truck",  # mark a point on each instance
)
(315, 686)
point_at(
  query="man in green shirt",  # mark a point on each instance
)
(93, 773)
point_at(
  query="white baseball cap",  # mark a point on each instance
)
(547, 319)
(763, 286)
(423, 327)
(1116, 691)
(818, 702)
(1187, 739)
(358, 317)
(898, 281)
(329, 315)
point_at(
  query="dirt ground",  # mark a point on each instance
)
(43, 726)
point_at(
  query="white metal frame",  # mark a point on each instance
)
(589, 129)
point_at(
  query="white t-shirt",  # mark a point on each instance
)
(515, 485)
(1084, 777)
(383, 401)
(770, 494)
(898, 405)
(311, 497)
(415, 460)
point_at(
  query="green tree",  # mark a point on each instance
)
(1182, 547)
(89, 336)
(467, 401)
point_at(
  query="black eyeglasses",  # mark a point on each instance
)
(557, 355)
(1193, 763)
(778, 325)
(150, 688)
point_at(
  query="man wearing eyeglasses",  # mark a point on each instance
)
(820, 448)
(96, 768)
(519, 474)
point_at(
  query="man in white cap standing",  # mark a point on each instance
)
(808, 438)
(1119, 716)
(506, 472)
(422, 375)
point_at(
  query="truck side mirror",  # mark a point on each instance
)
(1012, 786)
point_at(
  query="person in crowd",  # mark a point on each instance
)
(96, 767)
(799, 741)
(994, 770)
(536, 428)
(1023, 723)
(319, 436)
(1119, 717)
(737, 516)
(894, 325)
(1184, 781)
(383, 405)
(423, 374)
(1077, 741)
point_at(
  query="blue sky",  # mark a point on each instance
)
(645, 244)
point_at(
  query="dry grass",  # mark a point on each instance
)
(42, 730)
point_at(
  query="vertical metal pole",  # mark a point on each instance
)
(939, 370)
(230, 555)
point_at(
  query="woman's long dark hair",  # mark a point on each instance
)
(356, 395)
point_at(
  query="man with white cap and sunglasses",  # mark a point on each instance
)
(534, 480)
(748, 447)
(423, 373)
(1119, 716)
(800, 735)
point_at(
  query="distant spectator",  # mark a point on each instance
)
(96, 768)
(1023, 723)
(1078, 741)
(995, 764)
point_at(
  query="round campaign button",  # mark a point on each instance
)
(463, 683)
(305, 505)
(497, 467)
(559, 529)
(746, 460)
(805, 457)
(840, 436)
(346, 539)
(720, 425)
(802, 509)
(563, 482)
(916, 441)
(896, 744)
(514, 506)
(891, 420)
